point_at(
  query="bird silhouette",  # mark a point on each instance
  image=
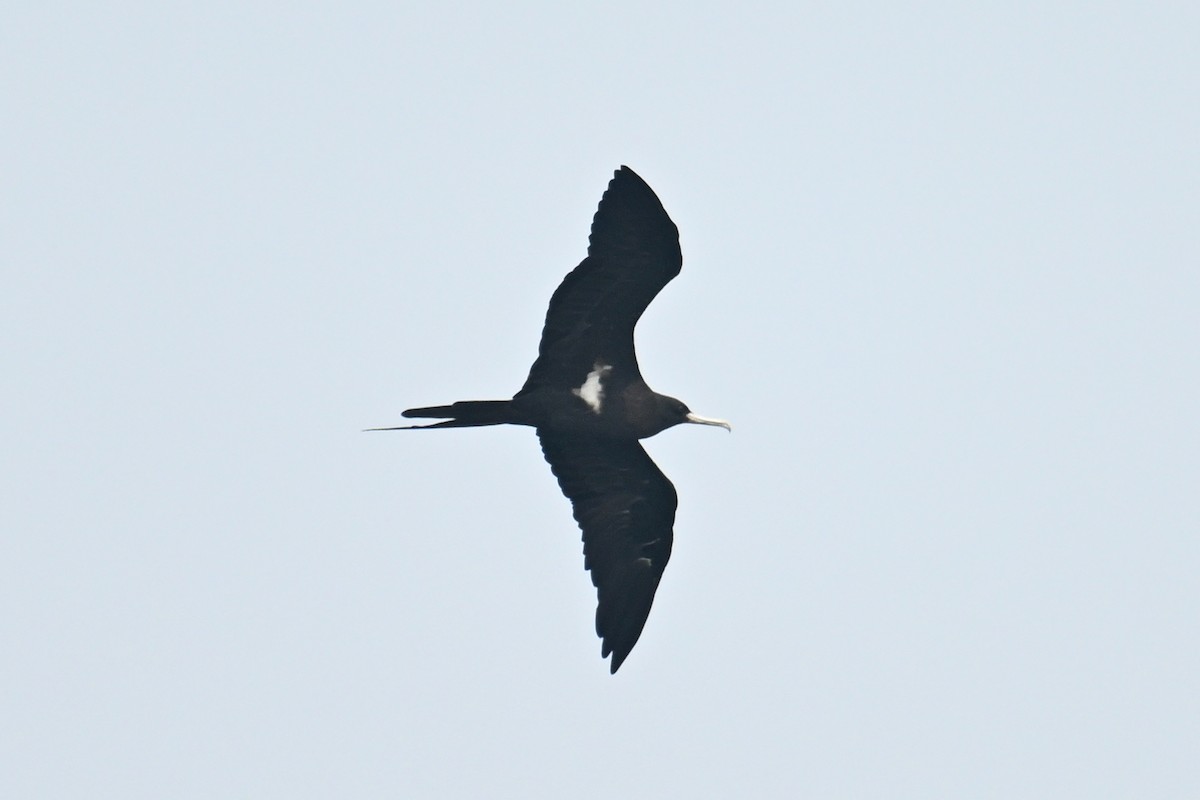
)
(587, 400)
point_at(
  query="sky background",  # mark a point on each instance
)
(941, 271)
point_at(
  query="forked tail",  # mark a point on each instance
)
(463, 414)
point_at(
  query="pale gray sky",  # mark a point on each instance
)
(941, 270)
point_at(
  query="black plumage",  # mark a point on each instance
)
(586, 397)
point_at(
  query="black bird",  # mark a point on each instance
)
(590, 405)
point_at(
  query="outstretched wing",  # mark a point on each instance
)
(633, 252)
(625, 507)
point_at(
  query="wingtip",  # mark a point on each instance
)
(618, 656)
(626, 174)
(625, 169)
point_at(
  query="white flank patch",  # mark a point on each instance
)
(592, 391)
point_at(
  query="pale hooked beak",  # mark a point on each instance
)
(699, 420)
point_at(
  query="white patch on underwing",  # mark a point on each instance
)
(592, 390)
(645, 561)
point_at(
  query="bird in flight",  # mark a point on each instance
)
(587, 400)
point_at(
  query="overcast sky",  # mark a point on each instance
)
(941, 271)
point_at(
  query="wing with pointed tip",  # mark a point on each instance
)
(633, 252)
(625, 507)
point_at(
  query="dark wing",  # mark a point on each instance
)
(633, 252)
(626, 509)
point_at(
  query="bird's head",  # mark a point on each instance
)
(677, 412)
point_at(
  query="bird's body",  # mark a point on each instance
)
(586, 397)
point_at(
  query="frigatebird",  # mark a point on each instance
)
(586, 397)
